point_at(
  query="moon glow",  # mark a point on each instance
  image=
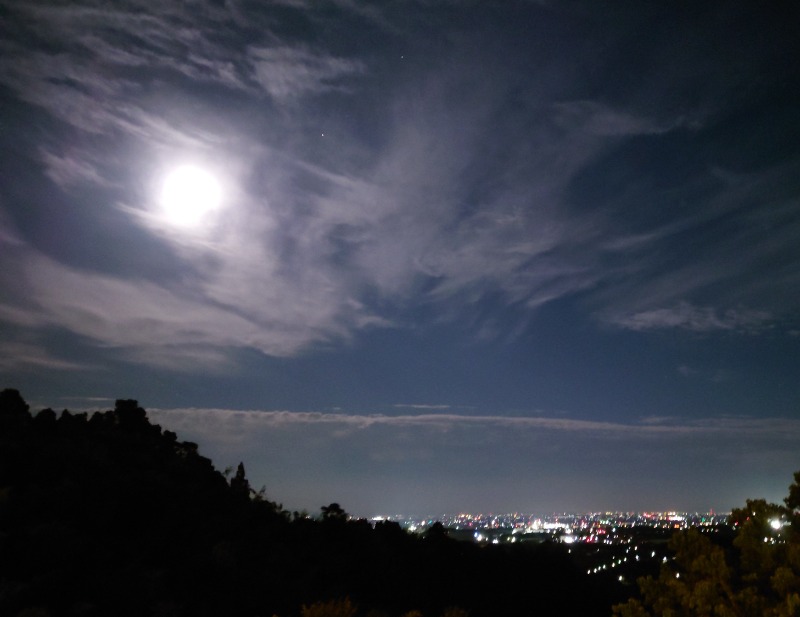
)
(189, 194)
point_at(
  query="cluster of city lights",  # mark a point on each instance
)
(595, 527)
(617, 546)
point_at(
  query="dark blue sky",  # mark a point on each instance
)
(489, 256)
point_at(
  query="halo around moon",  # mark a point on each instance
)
(189, 195)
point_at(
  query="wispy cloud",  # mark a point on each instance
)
(714, 376)
(420, 406)
(95, 72)
(438, 191)
(24, 356)
(602, 120)
(287, 72)
(161, 325)
(698, 319)
(73, 170)
(652, 426)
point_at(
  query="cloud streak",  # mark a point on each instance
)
(697, 319)
(15, 356)
(287, 73)
(671, 427)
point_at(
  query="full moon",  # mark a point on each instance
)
(189, 195)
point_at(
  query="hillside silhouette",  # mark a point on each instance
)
(108, 514)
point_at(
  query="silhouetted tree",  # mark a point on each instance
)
(158, 531)
(12, 405)
(45, 418)
(792, 500)
(333, 513)
(239, 483)
(130, 416)
(759, 577)
(436, 532)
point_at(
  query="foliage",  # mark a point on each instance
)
(345, 608)
(454, 611)
(331, 608)
(758, 576)
(333, 513)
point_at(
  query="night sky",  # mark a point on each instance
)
(432, 256)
